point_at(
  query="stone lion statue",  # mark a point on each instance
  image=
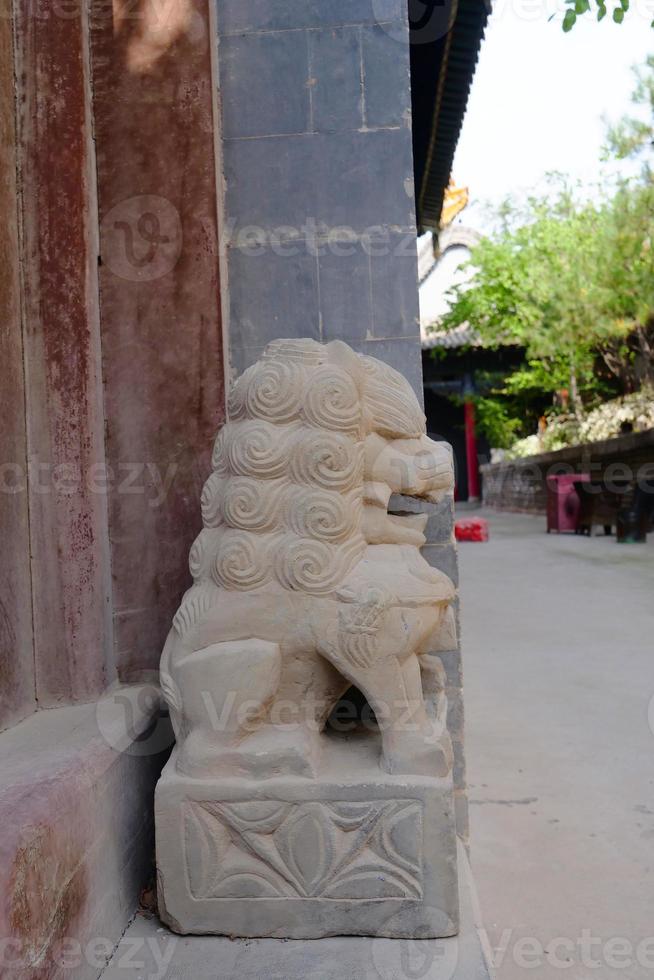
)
(303, 583)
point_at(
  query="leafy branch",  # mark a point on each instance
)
(577, 8)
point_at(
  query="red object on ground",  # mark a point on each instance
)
(472, 529)
(563, 503)
(472, 463)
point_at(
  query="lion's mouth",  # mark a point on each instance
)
(409, 528)
(389, 526)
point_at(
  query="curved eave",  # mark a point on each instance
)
(442, 70)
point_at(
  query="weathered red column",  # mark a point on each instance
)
(160, 300)
(472, 462)
(17, 689)
(61, 331)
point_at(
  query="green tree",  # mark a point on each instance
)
(627, 310)
(633, 136)
(571, 282)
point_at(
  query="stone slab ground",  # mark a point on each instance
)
(148, 951)
(558, 639)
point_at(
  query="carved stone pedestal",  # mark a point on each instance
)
(354, 851)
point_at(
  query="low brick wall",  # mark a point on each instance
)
(520, 485)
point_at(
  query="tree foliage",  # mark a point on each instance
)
(577, 8)
(633, 136)
(496, 420)
(571, 282)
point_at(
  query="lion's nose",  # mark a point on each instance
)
(434, 465)
(427, 465)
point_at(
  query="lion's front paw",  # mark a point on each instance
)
(412, 753)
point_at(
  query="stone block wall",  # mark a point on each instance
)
(319, 210)
(521, 485)
(441, 552)
(318, 231)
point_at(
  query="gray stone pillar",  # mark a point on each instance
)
(319, 214)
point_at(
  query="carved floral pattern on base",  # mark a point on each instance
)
(311, 850)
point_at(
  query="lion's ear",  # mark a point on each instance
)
(344, 357)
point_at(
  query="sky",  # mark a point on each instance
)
(538, 103)
(539, 96)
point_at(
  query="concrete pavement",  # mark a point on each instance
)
(558, 640)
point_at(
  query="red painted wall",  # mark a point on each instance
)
(17, 685)
(61, 336)
(111, 367)
(160, 302)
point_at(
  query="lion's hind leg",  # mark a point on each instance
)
(227, 691)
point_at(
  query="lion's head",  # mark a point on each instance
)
(317, 439)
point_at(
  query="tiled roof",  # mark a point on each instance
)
(462, 336)
(442, 69)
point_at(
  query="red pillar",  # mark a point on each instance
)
(161, 328)
(17, 690)
(64, 424)
(471, 451)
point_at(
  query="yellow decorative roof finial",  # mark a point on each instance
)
(454, 201)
